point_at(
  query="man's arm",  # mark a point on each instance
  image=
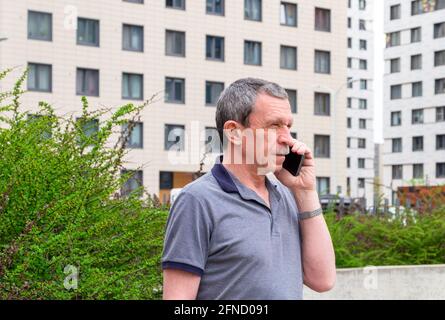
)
(317, 250)
(180, 285)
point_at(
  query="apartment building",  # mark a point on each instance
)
(414, 94)
(115, 52)
(360, 104)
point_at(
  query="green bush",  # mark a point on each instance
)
(361, 240)
(60, 207)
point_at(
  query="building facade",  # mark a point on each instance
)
(187, 51)
(360, 104)
(414, 94)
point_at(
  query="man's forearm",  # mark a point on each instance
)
(317, 250)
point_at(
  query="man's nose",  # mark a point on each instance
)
(284, 136)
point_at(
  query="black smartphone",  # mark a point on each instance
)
(293, 163)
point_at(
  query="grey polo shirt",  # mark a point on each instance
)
(242, 249)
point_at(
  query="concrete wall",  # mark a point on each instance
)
(385, 283)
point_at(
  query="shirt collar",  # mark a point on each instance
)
(230, 184)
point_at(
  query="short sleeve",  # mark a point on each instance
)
(187, 235)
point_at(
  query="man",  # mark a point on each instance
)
(235, 233)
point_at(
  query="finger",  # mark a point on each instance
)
(300, 149)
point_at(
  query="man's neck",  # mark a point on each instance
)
(247, 174)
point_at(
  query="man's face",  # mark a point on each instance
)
(269, 127)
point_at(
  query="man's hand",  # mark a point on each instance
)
(305, 181)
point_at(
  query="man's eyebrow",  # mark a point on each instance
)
(281, 121)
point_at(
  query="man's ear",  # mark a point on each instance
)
(232, 132)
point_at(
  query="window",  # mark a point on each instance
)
(361, 24)
(418, 143)
(361, 183)
(349, 122)
(439, 86)
(174, 90)
(396, 118)
(174, 137)
(361, 163)
(362, 104)
(394, 12)
(417, 116)
(349, 23)
(440, 114)
(322, 146)
(45, 125)
(132, 38)
(174, 43)
(89, 128)
(134, 1)
(134, 182)
(416, 89)
(417, 7)
(363, 65)
(323, 19)
(322, 61)
(362, 123)
(252, 10)
(40, 26)
(439, 30)
(175, 4)
(416, 62)
(439, 58)
(288, 57)
(349, 62)
(440, 4)
(363, 84)
(393, 39)
(135, 138)
(88, 32)
(397, 145)
(252, 53)
(212, 141)
(348, 186)
(165, 180)
(87, 82)
(348, 162)
(348, 142)
(361, 143)
(322, 104)
(132, 86)
(213, 91)
(395, 65)
(350, 43)
(418, 171)
(292, 96)
(362, 4)
(440, 170)
(349, 3)
(288, 14)
(440, 142)
(349, 103)
(396, 92)
(397, 171)
(323, 185)
(215, 48)
(363, 45)
(40, 77)
(416, 35)
(215, 7)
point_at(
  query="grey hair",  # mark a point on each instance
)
(237, 100)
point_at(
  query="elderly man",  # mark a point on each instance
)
(236, 233)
